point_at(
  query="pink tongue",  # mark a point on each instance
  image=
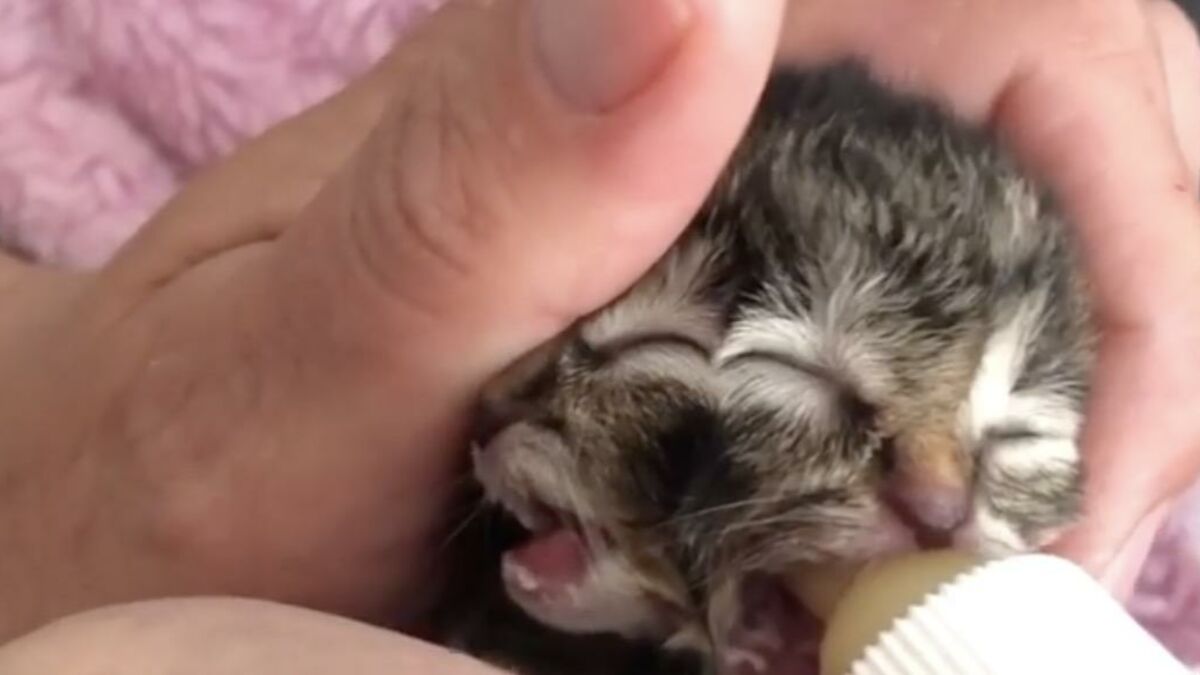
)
(556, 557)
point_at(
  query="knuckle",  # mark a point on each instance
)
(431, 202)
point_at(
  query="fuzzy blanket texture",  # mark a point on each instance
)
(105, 107)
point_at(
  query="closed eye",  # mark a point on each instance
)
(788, 361)
(855, 410)
(1011, 433)
(634, 342)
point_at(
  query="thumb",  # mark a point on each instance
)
(536, 157)
(276, 390)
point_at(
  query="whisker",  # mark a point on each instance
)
(471, 517)
(780, 519)
(691, 515)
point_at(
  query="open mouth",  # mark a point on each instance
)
(773, 633)
(555, 536)
(569, 575)
(557, 553)
(555, 568)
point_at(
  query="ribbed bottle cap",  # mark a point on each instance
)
(1024, 615)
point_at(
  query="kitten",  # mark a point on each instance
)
(874, 337)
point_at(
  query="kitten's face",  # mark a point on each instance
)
(672, 467)
(600, 435)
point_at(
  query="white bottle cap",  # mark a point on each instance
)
(1019, 616)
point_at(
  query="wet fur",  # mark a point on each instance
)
(872, 293)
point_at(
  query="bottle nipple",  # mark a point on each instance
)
(859, 605)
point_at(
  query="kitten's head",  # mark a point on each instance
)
(674, 464)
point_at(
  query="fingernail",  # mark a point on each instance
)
(600, 53)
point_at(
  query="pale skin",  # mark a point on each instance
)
(265, 393)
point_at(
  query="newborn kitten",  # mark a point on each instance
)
(873, 337)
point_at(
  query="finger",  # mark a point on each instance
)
(537, 158)
(1126, 185)
(1090, 122)
(182, 636)
(1141, 438)
(1180, 53)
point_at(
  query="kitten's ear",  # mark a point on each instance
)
(506, 396)
(757, 628)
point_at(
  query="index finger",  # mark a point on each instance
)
(1118, 165)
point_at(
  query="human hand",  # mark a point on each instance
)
(264, 393)
(1102, 98)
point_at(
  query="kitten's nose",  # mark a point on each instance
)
(932, 511)
(930, 494)
(928, 485)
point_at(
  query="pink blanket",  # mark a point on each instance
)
(106, 106)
